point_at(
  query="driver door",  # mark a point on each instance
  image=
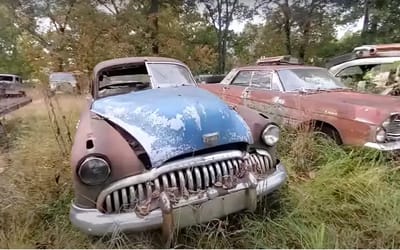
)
(264, 94)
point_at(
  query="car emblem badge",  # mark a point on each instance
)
(211, 139)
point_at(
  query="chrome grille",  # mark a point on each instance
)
(393, 130)
(193, 179)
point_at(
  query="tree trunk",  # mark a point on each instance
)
(304, 43)
(287, 27)
(153, 23)
(364, 30)
(220, 37)
(223, 59)
(60, 64)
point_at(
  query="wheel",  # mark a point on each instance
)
(327, 132)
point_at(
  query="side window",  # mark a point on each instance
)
(242, 78)
(350, 75)
(261, 79)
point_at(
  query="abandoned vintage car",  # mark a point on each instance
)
(296, 95)
(62, 82)
(375, 64)
(209, 78)
(153, 150)
(12, 95)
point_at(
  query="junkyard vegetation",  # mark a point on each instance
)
(335, 197)
(74, 35)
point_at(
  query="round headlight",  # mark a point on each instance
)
(271, 135)
(94, 171)
(380, 135)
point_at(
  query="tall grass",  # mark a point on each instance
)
(335, 197)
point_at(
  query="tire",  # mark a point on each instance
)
(328, 133)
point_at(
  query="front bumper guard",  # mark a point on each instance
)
(168, 217)
(387, 146)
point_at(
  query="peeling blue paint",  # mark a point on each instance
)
(172, 121)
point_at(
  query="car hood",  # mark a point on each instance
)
(370, 108)
(169, 122)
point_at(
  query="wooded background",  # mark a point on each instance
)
(40, 36)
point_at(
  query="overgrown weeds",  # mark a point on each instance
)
(336, 197)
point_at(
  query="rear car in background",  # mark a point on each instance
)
(11, 82)
(209, 78)
(372, 68)
(12, 94)
(152, 150)
(305, 96)
(62, 82)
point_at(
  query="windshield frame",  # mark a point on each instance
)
(155, 85)
(305, 85)
(95, 79)
(13, 78)
(62, 77)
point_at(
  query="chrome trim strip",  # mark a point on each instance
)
(198, 178)
(172, 166)
(132, 195)
(140, 192)
(212, 174)
(173, 179)
(206, 178)
(386, 146)
(93, 222)
(124, 197)
(219, 172)
(182, 181)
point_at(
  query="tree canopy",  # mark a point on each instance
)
(38, 36)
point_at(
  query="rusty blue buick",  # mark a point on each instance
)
(152, 150)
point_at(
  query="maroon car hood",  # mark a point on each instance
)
(368, 107)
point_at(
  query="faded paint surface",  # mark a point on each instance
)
(354, 115)
(169, 122)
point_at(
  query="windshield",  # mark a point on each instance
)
(62, 77)
(125, 79)
(308, 79)
(169, 74)
(6, 78)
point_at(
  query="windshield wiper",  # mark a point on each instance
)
(304, 90)
(339, 89)
(122, 84)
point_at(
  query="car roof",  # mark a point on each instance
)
(363, 61)
(278, 67)
(131, 60)
(9, 75)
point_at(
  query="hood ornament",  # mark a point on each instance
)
(211, 139)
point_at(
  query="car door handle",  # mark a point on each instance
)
(225, 87)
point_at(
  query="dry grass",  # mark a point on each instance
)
(336, 197)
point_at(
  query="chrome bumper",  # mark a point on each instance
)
(93, 222)
(387, 146)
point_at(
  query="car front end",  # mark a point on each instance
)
(386, 136)
(182, 193)
(220, 172)
(168, 157)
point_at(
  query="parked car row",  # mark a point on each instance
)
(12, 94)
(296, 95)
(155, 149)
(378, 64)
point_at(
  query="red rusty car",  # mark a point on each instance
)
(297, 94)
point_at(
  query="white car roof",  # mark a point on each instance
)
(363, 61)
(9, 75)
